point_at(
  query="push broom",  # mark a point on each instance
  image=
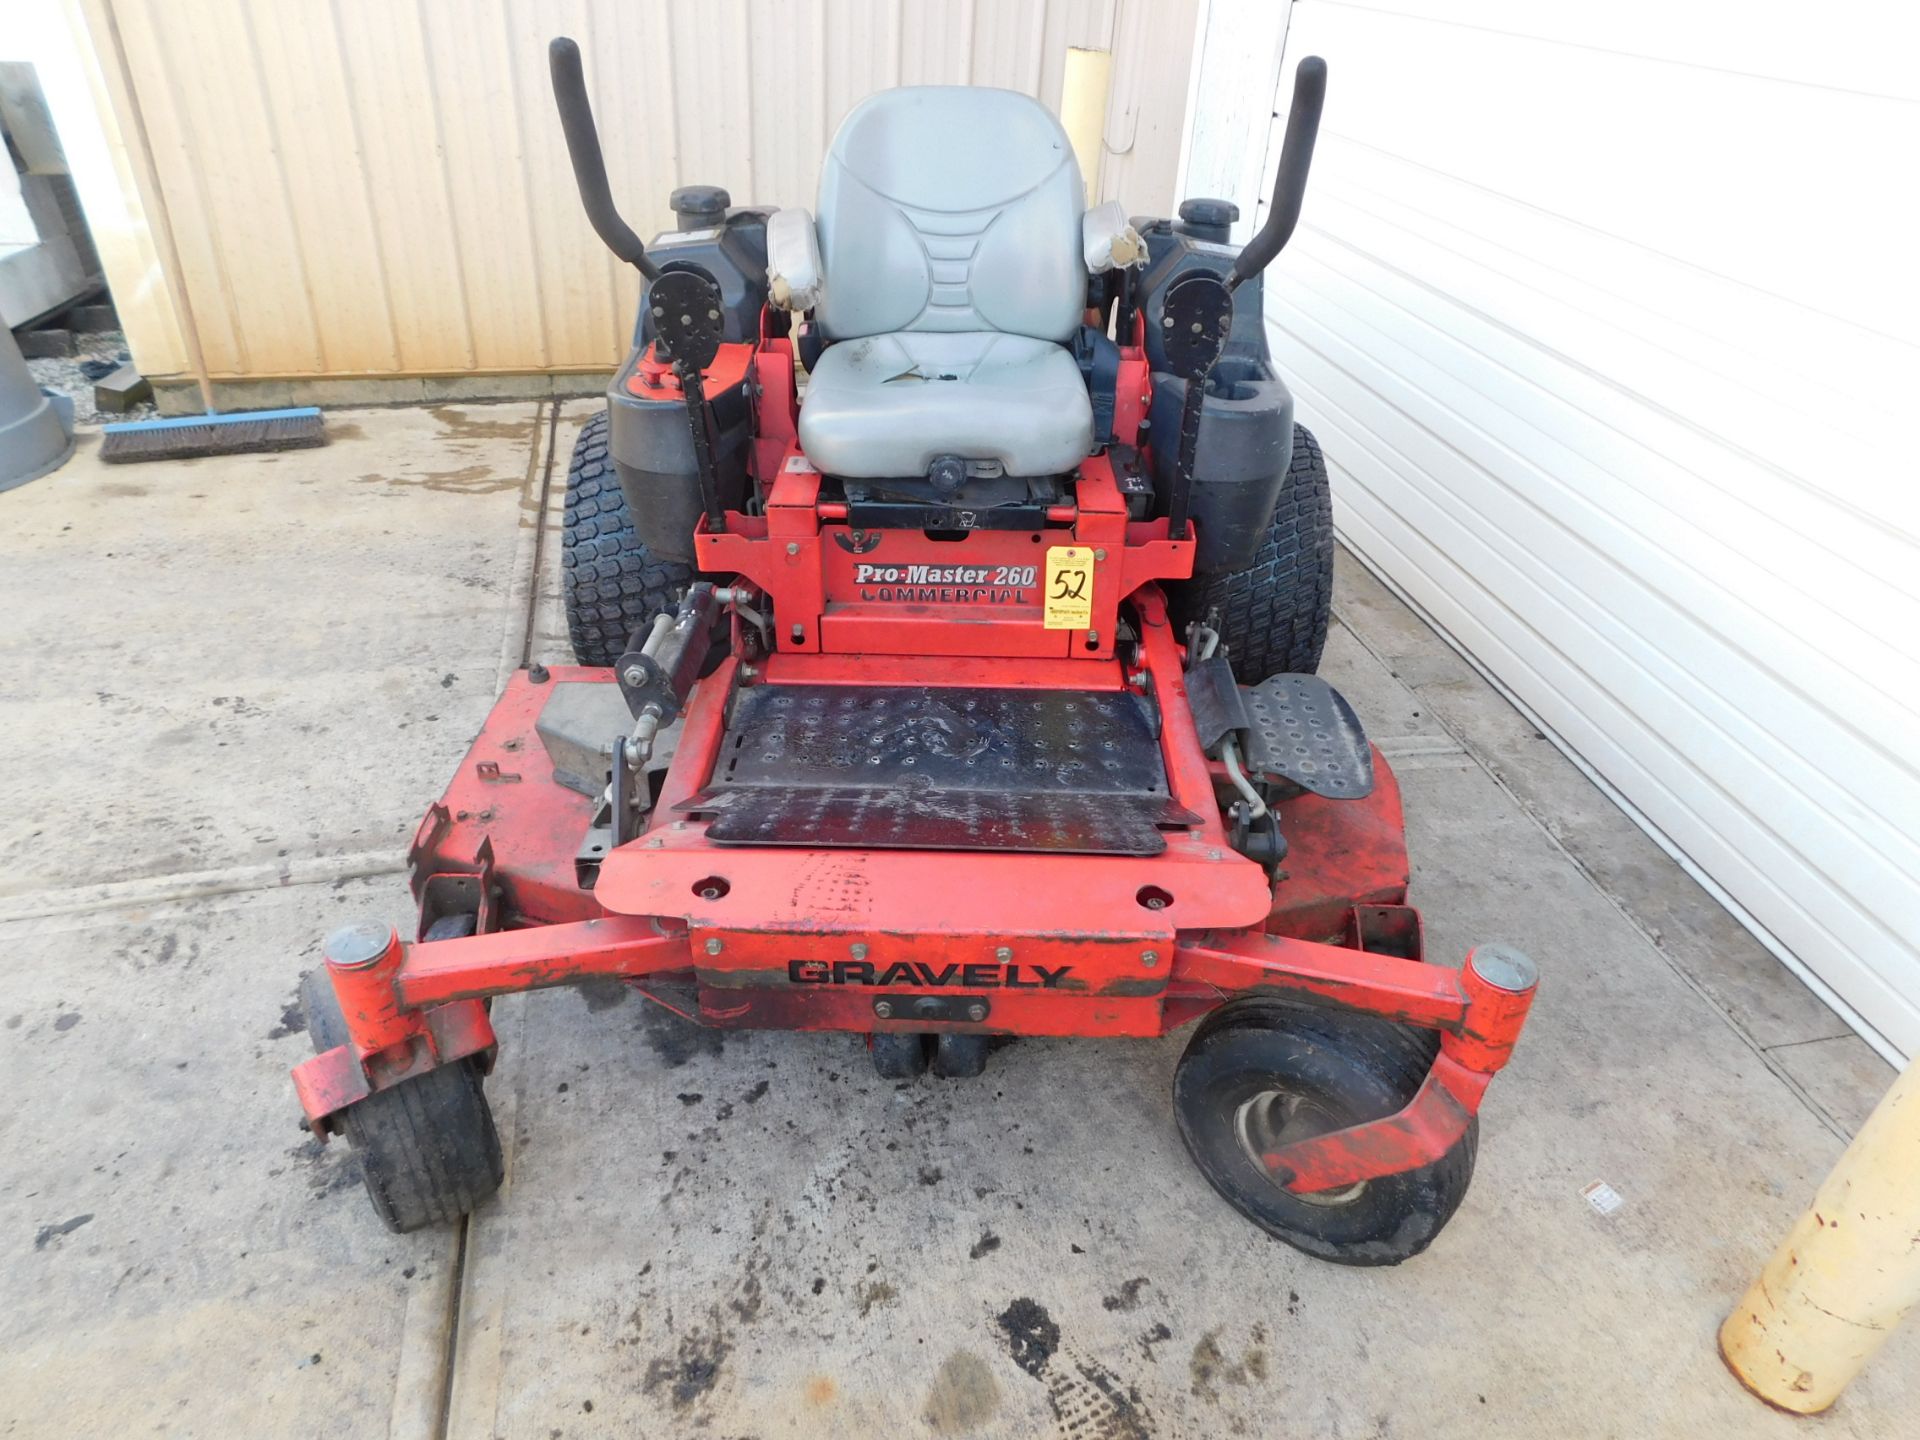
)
(190, 437)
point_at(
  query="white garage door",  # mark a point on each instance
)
(1607, 315)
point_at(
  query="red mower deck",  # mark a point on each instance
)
(853, 940)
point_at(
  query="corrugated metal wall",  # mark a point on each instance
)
(1605, 317)
(360, 189)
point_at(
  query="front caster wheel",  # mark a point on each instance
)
(1259, 1074)
(428, 1150)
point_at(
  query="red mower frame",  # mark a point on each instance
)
(1095, 936)
(831, 939)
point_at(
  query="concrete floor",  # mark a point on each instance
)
(232, 686)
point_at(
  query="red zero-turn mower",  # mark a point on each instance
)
(970, 697)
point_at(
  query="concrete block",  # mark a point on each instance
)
(176, 396)
(487, 387)
(571, 386)
(179, 395)
(339, 391)
(121, 391)
(45, 344)
(93, 319)
(252, 395)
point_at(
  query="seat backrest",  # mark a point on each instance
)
(951, 207)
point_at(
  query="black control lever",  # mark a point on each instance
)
(688, 326)
(1197, 314)
(1194, 321)
(687, 314)
(1290, 181)
(686, 303)
(589, 166)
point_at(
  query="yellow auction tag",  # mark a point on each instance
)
(1068, 595)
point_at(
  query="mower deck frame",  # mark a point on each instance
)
(877, 940)
(892, 940)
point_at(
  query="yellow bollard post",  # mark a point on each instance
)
(1083, 111)
(1846, 1273)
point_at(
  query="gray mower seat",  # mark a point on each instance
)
(890, 405)
(950, 242)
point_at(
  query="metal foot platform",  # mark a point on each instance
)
(898, 767)
(1301, 729)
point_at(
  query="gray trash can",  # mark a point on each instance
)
(36, 429)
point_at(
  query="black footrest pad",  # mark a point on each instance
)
(1303, 730)
(962, 768)
(935, 820)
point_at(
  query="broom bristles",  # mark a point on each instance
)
(196, 437)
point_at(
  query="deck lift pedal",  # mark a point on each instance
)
(968, 697)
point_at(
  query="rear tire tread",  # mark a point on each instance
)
(610, 583)
(898, 1056)
(958, 1056)
(1273, 616)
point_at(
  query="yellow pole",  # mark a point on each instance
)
(1083, 110)
(1846, 1273)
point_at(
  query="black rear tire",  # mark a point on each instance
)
(611, 583)
(960, 1057)
(1273, 616)
(1253, 1061)
(428, 1149)
(898, 1057)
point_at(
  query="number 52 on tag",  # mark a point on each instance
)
(1068, 596)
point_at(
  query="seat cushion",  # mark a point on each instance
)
(889, 405)
(951, 208)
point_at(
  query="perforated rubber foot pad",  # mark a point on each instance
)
(1303, 730)
(896, 767)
